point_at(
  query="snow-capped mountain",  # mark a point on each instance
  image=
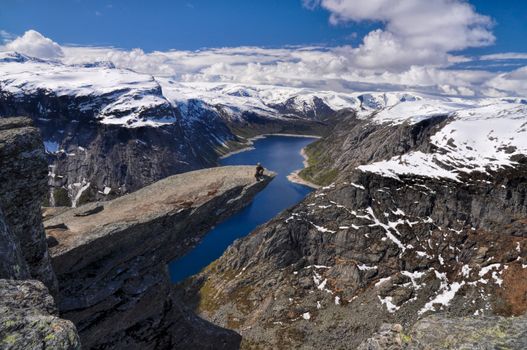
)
(110, 96)
(94, 116)
(421, 215)
(123, 97)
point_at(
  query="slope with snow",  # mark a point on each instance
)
(123, 97)
(478, 138)
(116, 96)
(483, 133)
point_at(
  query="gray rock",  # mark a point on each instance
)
(446, 332)
(28, 318)
(389, 337)
(476, 333)
(111, 264)
(370, 250)
(23, 185)
(12, 263)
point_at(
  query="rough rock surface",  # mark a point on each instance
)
(371, 249)
(12, 263)
(110, 259)
(23, 186)
(28, 318)
(445, 332)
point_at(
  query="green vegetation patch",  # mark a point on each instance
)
(318, 171)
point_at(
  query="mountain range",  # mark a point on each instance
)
(415, 235)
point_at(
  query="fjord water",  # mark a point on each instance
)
(280, 154)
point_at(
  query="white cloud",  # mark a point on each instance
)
(314, 67)
(5, 36)
(504, 56)
(514, 82)
(33, 43)
(337, 68)
(415, 31)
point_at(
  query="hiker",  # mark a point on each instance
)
(259, 172)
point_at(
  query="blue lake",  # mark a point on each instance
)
(280, 154)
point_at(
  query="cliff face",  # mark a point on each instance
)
(12, 262)
(111, 131)
(356, 141)
(93, 161)
(22, 190)
(377, 246)
(28, 315)
(111, 260)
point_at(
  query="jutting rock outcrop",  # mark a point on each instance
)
(28, 315)
(111, 260)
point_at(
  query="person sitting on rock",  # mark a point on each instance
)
(259, 172)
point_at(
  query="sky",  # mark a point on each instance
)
(194, 24)
(458, 46)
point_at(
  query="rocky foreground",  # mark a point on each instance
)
(419, 241)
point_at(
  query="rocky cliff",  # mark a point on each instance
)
(90, 160)
(111, 131)
(28, 315)
(422, 217)
(111, 260)
(23, 186)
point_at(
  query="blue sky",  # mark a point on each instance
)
(193, 24)
(446, 46)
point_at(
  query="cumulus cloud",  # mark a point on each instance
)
(324, 68)
(514, 82)
(33, 43)
(415, 31)
(314, 67)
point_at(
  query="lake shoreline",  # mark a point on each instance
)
(282, 155)
(295, 175)
(250, 143)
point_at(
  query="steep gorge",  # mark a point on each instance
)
(106, 263)
(372, 248)
(112, 131)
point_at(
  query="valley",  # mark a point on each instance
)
(417, 226)
(281, 154)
